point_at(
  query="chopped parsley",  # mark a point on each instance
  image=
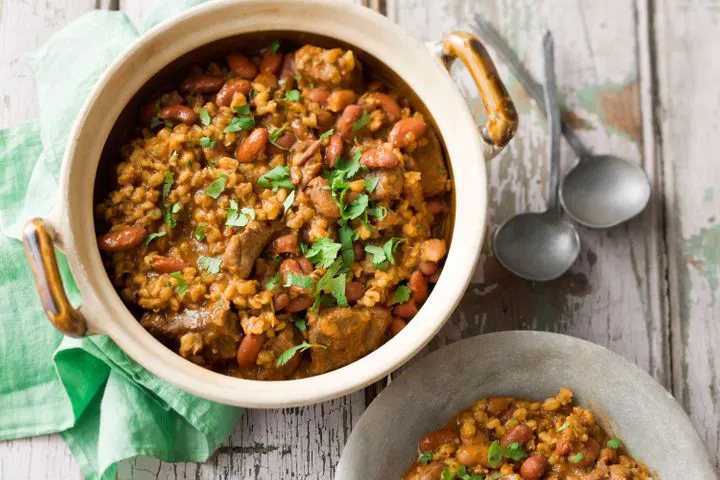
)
(301, 324)
(156, 122)
(371, 183)
(180, 284)
(297, 280)
(289, 200)
(333, 283)
(167, 185)
(207, 142)
(210, 264)
(497, 452)
(577, 458)
(274, 46)
(288, 354)
(383, 255)
(204, 117)
(278, 177)
(200, 233)
(153, 236)
(402, 294)
(614, 443)
(327, 134)
(239, 123)
(216, 187)
(378, 212)
(426, 457)
(346, 235)
(322, 253)
(274, 282)
(242, 109)
(238, 217)
(170, 211)
(461, 473)
(361, 122)
(292, 95)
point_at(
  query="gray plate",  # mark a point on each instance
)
(626, 401)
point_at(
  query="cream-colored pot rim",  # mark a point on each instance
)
(355, 25)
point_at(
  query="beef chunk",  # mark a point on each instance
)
(431, 164)
(347, 334)
(246, 246)
(390, 184)
(322, 198)
(333, 67)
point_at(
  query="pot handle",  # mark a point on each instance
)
(40, 251)
(502, 119)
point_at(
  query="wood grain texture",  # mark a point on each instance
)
(688, 98)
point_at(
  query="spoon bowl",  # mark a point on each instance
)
(603, 191)
(537, 246)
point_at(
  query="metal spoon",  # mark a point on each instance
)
(541, 246)
(600, 191)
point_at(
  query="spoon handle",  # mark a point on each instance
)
(553, 115)
(490, 36)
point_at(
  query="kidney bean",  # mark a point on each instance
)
(305, 265)
(249, 348)
(433, 279)
(252, 145)
(267, 79)
(519, 433)
(379, 158)
(406, 131)
(280, 301)
(354, 291)
(339, 99)
(287, 72)
(359, 252)
(428, 268)
(242, 66)
(498, 405)
(564, 442)
(284, 142)
(226, 94)
(346, 119)
(418, 287)
(389, 106)
(471, 455)
(123, 238)
(299, 304)
(436, 205)
(433, 250)
(406, 310)
(271, 63)
(202, 84)
(178, 113)
(433, 440)
(289, 265)
(318, 95)
(397, 324)
(286, 244)
(167, 264)
(334, 150)
(533, 467)
(310, 171)
(590, 452)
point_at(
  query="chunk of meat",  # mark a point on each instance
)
(347, 334)
(283, 341)
(216, 325)
(244, 247)
(431, 164)
(332, 67)
(390, 184)
(322, 198)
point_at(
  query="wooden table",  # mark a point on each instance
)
(639, 79)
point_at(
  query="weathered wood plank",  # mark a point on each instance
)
(614, 293)
(687, 69)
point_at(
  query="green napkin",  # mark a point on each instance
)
(107, 407)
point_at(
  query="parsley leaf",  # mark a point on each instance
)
(297, 280)
(614, 443)
(292, 95)
(346, 235)
(327, 134)
(180, 283)
(167, 185)
(497, 452)
(204, 117)
(153, 236)
(301, 324)
(447, 474)
(156, 122)
(361, 122)
(577, 458)
(170, 210)
(242, 109)
(216, 187)
(274, 282)
(333, 284)
(211, 264)
(378, 212)
(426, 457)
(239, 123)
(356, 207)
(391, 245)
(290, 352)
(274, 46)
(378, 256)
(239, 218)
(278, 177)
(289, 200)
(323, 252)
(402, 294)
(200, 233)
(207, 142)
(371, 183)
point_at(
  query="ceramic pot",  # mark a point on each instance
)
(196, 36)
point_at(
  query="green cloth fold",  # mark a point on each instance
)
(106, 406)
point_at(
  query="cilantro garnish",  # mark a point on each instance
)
(356, 208)
(297, 280)
(274, 282)
(167, 185)
(156, 122)
(290, 352)
(323, 252)
(292, 95)
(333, 283)
(238, 218)
(301, 324)
(346, 235)
(278, 177)
(200, 233)
(242, 109)
(216, 187)
(497, 452)
(204, 117)
(239, 123)
(210, 264)
(153, 236)
(614, 443)
(361, 122)
(371, 183)
(274, 46)
(180, 283)
(170, 211)
(383, 255)
(207, 142)
(378, 212)
(327, 134)
(577, 458)
(402, 294)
